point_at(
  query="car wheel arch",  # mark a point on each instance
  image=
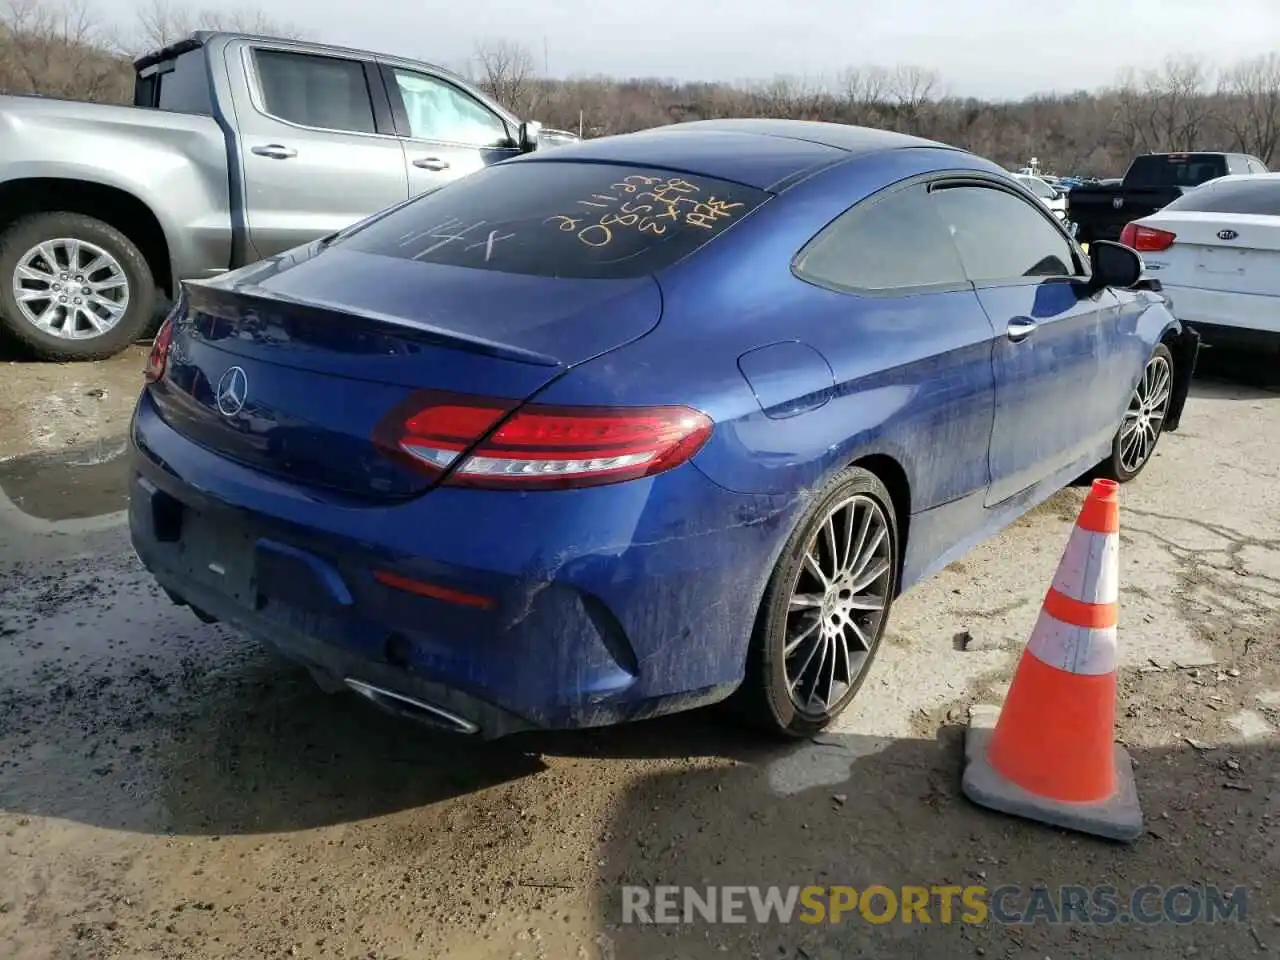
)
(894, 476)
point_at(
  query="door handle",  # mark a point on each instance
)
(1020, 328)
(275, 151)
(431, 163)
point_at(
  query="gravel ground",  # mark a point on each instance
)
(167, 790)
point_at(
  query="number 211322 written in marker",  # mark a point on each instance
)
(646, 204)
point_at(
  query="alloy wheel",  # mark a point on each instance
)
(71, 289)
(838, 604)
(1144, 419)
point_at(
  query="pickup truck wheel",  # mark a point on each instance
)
(73, 287)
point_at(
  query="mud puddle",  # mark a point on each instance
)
(89, 480)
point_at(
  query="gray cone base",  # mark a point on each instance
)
(1119, 818)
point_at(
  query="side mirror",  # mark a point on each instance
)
(1114, 264)
(530, 132)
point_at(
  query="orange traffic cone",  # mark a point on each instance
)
(1051, 756)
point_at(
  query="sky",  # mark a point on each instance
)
(985, 48)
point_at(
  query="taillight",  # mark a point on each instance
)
(1146, 239)
(159, 356)
(538, 446)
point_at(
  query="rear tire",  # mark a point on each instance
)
(825, 608)
(1143, 423)
(117, 293)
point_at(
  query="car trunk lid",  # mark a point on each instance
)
(290, 368)
(1238, 253)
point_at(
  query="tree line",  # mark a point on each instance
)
(60, 48)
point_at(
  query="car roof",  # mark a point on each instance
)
(1241, 177)
(765, 154)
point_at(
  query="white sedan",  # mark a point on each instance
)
(1216, 252)
(1051, 196)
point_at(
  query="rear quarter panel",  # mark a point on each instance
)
(738, 294)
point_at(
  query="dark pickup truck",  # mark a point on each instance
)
(1154, 180)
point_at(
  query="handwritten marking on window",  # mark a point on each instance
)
(451, 231)
(646, 204)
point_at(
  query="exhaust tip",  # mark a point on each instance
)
(406, 706)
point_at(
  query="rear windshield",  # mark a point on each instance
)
(562, 219)
(1233, 196)
(1175, 170)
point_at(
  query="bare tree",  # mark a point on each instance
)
(1252, 92)
(161, 22)
(911, 89)
(1179, 92)
(863, 93)
(58, 49)
(506, 72)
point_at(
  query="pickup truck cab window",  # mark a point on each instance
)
(326, 93)
(436, 110)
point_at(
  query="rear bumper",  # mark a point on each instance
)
(606, 604)
(1244, 312)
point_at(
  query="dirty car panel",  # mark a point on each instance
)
(545, 484)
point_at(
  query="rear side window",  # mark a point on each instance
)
(1240, 196)
(180, 85)
(892, 242)
(325, 92)
(1175, 170)
(562, 219)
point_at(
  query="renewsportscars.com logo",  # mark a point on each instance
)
(946, 904)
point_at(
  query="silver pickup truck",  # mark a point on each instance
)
(236, 148)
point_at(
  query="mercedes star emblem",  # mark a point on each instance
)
(233, 389)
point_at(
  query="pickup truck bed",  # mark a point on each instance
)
(1100, 211)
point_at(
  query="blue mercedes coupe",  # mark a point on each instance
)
(641, 423)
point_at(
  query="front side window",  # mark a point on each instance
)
(436, 110)
(561, 219)
(889, 242)
(1001, 236)
(325, 92)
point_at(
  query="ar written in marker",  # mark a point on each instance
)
(453, 230)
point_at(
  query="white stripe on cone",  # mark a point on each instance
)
(1082, 650)
(1090, 567)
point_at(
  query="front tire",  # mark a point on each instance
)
(73, 287)
(1143, 423)
(825, 608)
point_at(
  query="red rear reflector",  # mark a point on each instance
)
(539, 446)
(1146, 239)
(432, 590)
(159, 357)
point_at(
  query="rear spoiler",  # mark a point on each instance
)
(171, 52)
